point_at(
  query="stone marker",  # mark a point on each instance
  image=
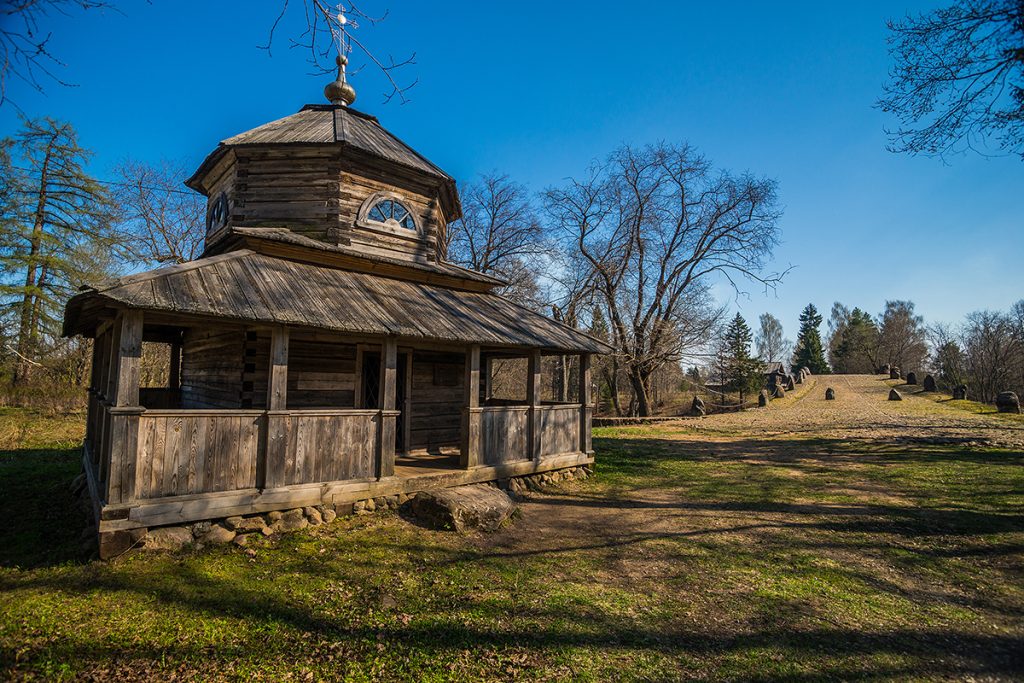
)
(960, 392)
(894, 372)
(830, 394)
(780, 392)
(895, 395)
(697, 407)
(762, 399)
(912, 378)
(790, 383)
(477, 506)
(929, 383)
(1007, 402)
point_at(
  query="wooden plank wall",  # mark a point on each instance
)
(198, 453)
(212, 364)
(559, 429)
(503, 435)
(437, 400)
(324, 447)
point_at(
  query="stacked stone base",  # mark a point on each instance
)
(240, 530)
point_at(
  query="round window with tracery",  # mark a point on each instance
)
(390, 212)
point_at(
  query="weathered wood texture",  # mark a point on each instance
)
(469, 445)
(261, 289)
(322, 446)
(504, 434)
(436, 394)
(212, 365)
(181, 453)
(558, 429)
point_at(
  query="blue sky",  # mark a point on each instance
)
(781, 89)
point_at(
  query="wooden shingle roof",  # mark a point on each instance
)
(248, 286)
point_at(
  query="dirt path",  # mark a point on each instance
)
(845, 433)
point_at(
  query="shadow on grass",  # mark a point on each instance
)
(43, 521)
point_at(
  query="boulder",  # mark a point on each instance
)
(780, 392)
(790, 383)
(1007, 402)
(911, 378)
(697, 407)
(329, 516)
(313, 516)
(799, 379)
(894, 372)
(895, 395)
(463, 508)
(168, 538)
(960, 392)
(830, 394)
(244, 524)
(292, 520)
(929, 383)
(762, 399)
(218, 534)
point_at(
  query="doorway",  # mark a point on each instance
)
(370, 373)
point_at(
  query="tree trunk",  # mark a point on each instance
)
(26, 333)
(638, 379)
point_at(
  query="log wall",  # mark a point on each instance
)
(212, 364)
(437, 400)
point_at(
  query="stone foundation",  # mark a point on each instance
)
(239, 530)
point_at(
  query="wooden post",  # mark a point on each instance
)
(388, 418)
(533, 380)
(407, 406)
(469, 454)
(586, 404)
(357, 397)
(125, 409)
(271, 459)
(174, 375)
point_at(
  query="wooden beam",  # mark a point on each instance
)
(174, 375)
(533, 387)
(586, 399)
(388, 423)
(124, 425)
(469, 452)
(406, 408)
(277, 382)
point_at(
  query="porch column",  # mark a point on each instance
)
(270, 460)
(533, 378)
(174, 376)
(469, 455)
(125, 409)
(388, 414)
(586, 404)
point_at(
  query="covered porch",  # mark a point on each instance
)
(260, 417)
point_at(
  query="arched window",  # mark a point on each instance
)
(391, 213)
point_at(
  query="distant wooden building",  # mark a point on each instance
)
(322, 351)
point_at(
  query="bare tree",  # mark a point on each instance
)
(25, 52)
(901, 336)
(771, 346)
(328, 30)
(654, 224)
(958, 80)
(161, 222)
(500, 234)
(991, 353)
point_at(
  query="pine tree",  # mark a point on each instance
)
(743, 373)
(55, 232)
(809, 352)
(857, 351)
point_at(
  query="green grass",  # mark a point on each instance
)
(774, 559)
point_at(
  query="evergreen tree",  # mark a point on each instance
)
(809, 352)
(742, 372)
(857, 350)
(56, 229)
